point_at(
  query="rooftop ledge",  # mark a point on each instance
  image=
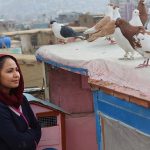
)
(123, 93)
(104, 68)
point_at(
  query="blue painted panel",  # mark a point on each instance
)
(69, 68)
(129, 113)
(98, 122)
(124, 104)
(128, 117)
(133, 115)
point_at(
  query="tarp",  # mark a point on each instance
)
(102, 62)
(119, 136)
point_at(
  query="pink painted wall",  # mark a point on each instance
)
(70, 91)
(80, 133)
(51, 136)
(38, 109)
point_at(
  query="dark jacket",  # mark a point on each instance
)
(14, 131)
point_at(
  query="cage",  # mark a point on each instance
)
(52, 121)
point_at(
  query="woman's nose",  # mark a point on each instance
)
(16, 74)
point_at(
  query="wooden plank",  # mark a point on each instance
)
(140, 102)
(125, 93)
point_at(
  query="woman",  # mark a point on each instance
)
(19, 129)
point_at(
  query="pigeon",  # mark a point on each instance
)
(108, 29)
(116, 13)
(124, 44)
(125, 37)
(138, 37)
(143, 47)
(129, 31)
(64, 33)
(142, 11)
(108, 16)
(135, 20)
(121, 40)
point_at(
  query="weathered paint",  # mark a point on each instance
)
(51, 136)
(134, 116)
(81, 133)
(70, 91)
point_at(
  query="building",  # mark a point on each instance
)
(88, 20)
(68, 17)
(127, 6)
(7, 25)
(52, 121)
(118, 96)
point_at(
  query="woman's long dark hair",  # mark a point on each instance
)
(16, 97)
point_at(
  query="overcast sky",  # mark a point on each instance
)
(13, 8)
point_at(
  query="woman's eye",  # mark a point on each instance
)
(9, 71)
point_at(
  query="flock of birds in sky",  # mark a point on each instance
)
(131, 36)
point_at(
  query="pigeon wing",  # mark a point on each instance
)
(106, 30)
(102, 22)
(67, 32)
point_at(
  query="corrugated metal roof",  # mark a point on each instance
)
(32, 98)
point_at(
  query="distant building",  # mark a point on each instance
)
(126, 7)
(39, 25)
(88, 20)
(68, 17)
(7, 25)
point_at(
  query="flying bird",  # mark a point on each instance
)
(142, 11)
(65, 33)
(108, 16)
(135, 20)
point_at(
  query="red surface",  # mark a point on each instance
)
(51, 136)
(81, 133)
(70, 91)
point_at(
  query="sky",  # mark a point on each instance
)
(17, 9)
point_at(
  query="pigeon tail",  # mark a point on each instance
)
(81, 35)
(90, 30)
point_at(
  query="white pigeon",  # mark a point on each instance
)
(63, 32)
(124, 44)
(135, 20)
(108, 16)
(121, 40)
(144, 49)
(116, 13)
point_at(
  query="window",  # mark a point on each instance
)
(48, 121)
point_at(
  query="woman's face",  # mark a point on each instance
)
(9, 76)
